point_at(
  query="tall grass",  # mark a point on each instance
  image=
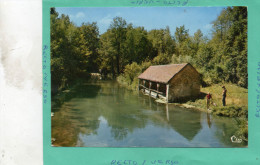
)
(236, 95)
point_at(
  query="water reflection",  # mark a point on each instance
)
(186, 123)
(87, 90)
(208, 119)
(105, 114)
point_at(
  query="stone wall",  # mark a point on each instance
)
(186, 84)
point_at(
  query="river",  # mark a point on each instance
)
(105, 114)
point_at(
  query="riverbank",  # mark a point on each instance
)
(236, 100)
(67, 93)
(236, 103)
(236, 97)
(60, 97)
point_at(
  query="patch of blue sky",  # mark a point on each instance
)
(193, 18)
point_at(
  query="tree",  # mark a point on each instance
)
(169, 42)
(162, 42)
(183, 41)
(137, 46)
(181, 34)
(196, 40)
(107, 54)
(60, 49)
(90, 33)
(230, 44)
(73, 50)
(118, 37)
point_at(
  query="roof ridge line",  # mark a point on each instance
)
(171, 64)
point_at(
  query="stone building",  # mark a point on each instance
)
(173, 82)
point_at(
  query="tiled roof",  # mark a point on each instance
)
(161, 73)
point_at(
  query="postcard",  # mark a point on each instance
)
(150, 82)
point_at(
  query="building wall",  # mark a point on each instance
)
(184, 85)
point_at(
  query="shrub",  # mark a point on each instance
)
(231, 111)
(131, 71)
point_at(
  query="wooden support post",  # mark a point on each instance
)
(167, 93)
(138, 85)
(167, 112)
(144, 82)
(150, 84)
(158, 87)
(150, 102)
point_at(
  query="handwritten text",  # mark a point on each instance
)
(45, 74)
(157, 2)
(144, 162)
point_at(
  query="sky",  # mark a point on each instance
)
(193, 18)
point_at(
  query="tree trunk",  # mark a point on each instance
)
(118, 64)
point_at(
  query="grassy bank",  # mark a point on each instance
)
(236, 105)
(236, 96)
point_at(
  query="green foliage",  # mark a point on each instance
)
(90, 44)
(117, 39)
(183, 41)
(204, 57)
(181, 34)
(230, 44)
(107, 54)
(73, 50)
(243, 128)
(161, 59)
(231, 111)
(131, 71)
(124, 51)
(145, 65)
(162, 42)
(224, 57)
(137, 46)
(182, 59)
(76, 51)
